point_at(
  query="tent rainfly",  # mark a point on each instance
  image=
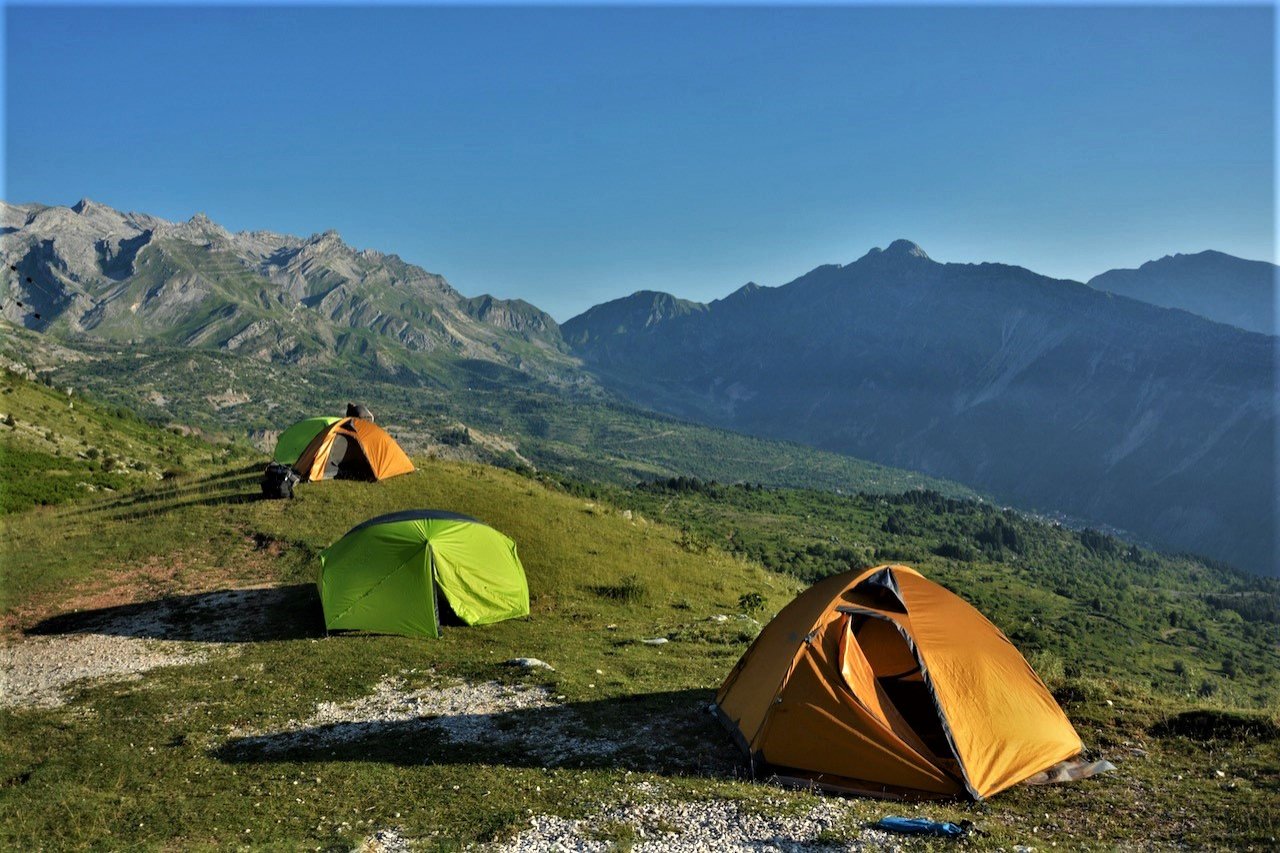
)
(386, 575)
(294, 440)
(883, 682)
(347, 449)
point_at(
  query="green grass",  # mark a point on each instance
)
(57, 447)
(161, 761)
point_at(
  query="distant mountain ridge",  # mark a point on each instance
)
(1045, 392)
(1049, 394)
(1212, 284)
(92, 270)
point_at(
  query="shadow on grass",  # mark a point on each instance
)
(225, 499)
(222, 616)
(238, 479)
(669, 733)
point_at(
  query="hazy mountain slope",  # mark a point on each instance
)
(93, 271)
(1212, 284)
(1047, 393)
(511, 418)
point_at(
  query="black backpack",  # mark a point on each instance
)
(278, 481)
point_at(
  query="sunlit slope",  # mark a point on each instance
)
(57, 446)
(194, 755)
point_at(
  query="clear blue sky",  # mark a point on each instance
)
(572, 155)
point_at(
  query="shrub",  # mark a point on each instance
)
(1049, 667)
(895, 524)
(1208, 724)
(455, 437)
(751, 602)
(955, 551)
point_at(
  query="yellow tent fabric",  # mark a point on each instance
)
(377, 455)
(884, 682)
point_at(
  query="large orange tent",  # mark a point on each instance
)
(883, 682)
(352, 449)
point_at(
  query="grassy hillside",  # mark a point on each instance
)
(57, 446)
(263, 732)
(576, 430)
(1081, 604)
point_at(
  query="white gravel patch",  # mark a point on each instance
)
(461, 709)
(123, 642)
(658, 824)
(384, 841)
(473, 713)
(39, 671)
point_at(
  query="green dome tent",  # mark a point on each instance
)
(385, 574)
(294, 440)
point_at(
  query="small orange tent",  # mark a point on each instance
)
(883, 682)
(352, 449)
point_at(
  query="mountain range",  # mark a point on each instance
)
(92, 270)
(1212, 284)
(1048, 394)
(1045, 393)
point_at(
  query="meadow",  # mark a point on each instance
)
(221, 715)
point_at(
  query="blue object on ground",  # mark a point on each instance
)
(920, 826)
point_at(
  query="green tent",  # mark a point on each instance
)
(294, 440)
(384, 575)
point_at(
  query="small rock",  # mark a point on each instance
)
(1219, 774)
(530, 663)
(656, 641)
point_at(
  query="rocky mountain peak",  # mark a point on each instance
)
(905, 248)
(329, 237)
(898, 249)
(746, 290)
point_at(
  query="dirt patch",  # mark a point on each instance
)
(161, 575)
(118, 587)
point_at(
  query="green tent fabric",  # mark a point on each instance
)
(384, 574)
(294, 440)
